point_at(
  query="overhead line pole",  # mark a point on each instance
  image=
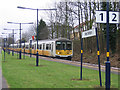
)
(4, 48)
(13, 38)
(37, 59)
(20, 34)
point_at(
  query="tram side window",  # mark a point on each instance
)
(26, 46)
(43, 46)
(22, 46)
(35, 46)
(40, 46)
(32, 46)
(48, 46)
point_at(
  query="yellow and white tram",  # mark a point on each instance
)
(62, 48)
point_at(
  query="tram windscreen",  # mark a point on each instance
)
(63, 45)
(69, 46)
(58, 45)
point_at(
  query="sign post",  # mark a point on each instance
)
(85, 34)
(98, 53)
(107, 17)
(90, 33)
(81, 57)
(107, 71)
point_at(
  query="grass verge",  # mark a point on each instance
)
(24, 74)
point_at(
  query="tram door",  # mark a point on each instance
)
(43, 51)
(52, 51)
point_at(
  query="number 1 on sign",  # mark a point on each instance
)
(101, 16)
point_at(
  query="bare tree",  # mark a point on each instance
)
(28, 34)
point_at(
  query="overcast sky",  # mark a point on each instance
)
(10, 13)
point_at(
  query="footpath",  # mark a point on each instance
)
(3, 82)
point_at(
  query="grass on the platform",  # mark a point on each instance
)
(24, 74)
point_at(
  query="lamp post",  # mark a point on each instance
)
(20, 34)
(9, 44)
(5, 39)
(8, 41)
(13, 38)
(37, 26)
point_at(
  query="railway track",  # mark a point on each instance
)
(75, 63)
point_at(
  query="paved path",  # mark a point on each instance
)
(0, 78)
(3, 82)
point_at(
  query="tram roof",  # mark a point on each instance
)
(52, 40)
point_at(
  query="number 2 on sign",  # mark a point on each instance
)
(114, 18)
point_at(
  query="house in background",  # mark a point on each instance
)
(75, 31)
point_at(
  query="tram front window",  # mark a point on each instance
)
(63, 45)
(69, 46)
(58, 45)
